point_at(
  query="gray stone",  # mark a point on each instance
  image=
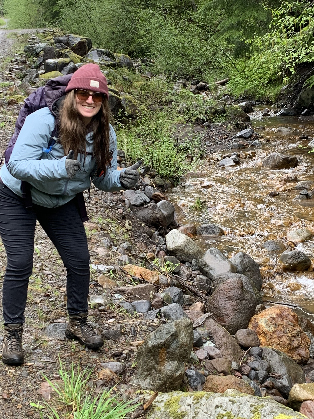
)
(141, 306)
(195, 379)
(222, 339)
(246, 133)
(173, 312)
(274, 247)
(173, 295)
(166, 210)
(116, 367)
(128, 307)
(203, 283)
(56, 64)
(182, 246)
(137, 292)
(245, 265)
(299, 235)
(285, 368)
(96, 300)
(136, 198)
(247, 338)
(295, 260)
(123, 60)
(101, 56)
(197, 339)
(230, 404)
(161, 358)
(215, 263)
(34, 49)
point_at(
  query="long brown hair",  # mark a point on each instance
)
(73, 131)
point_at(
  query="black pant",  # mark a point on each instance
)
(64, 227)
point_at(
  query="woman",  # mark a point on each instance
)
(85, 151)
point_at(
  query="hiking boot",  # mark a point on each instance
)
(12, 351)
(78, 328)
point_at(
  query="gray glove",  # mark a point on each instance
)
(130, 176)
(71, 166)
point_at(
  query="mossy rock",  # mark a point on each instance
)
(72, 56)
(235, 114)
(50, 75)
(15, 99)
(229, 405)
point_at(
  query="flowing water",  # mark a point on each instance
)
(240, 200)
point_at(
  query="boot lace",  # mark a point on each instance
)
(14, 340)
(86, 328)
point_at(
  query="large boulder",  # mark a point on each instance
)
(230, 405)
(161, 359)
(278, 327)
(233, 301)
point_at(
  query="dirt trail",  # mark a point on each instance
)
(43, 339)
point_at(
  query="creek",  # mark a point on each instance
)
(254, 204)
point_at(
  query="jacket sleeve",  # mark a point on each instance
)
(111, 180)
(25, 163)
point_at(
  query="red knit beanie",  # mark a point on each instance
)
(89, 77)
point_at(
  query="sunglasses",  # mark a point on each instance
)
(85, 94)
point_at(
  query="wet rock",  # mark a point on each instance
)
(247, 338)
(161, 358)
(278, 327)
(246, 133)
(245, 265)
(137, 292)
(195, 379)
(307, 409)
(274, 247)
(210, 230)
(229, 161)
(247, 107)
(231, 404)
(136, 198)
(214, 263)
(279, 161)
(173, 312)
(219, 384)
(233, 301)
(141, 306)
(299, 235)
(295, 260)
(173, 295)
(182, 246)
(285, 371)
(222, 339)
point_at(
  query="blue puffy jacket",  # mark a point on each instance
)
(44, 169)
